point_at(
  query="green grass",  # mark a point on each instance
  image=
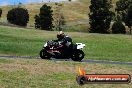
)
(28, 42)
(33, 73)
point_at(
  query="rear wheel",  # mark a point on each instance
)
(44, 54)
(77, 55)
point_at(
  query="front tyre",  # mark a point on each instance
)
(44, 54)
(77, 55)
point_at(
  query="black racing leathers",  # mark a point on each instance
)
(66, 41)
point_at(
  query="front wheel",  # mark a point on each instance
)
(44, 54)
(77, 55)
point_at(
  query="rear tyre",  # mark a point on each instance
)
(77, 55)
(44, 54)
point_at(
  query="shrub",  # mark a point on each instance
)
(118, 28)
(18, 16)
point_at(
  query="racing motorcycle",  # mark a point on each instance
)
(56, 50)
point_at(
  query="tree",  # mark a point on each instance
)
(122, 5)
(0, 12)
(128, 18)
(59, 19)
(44, 19)
(124, 9)
(100, 16)
(18, 16)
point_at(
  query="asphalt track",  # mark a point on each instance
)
(88, 61)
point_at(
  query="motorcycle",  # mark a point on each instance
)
(56, 50)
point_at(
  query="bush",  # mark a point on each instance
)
(44, 19)
(118, 28)
(0, 12)
(18, 16)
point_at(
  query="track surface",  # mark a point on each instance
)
(89, 61)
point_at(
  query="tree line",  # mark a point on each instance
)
(100, 17)
(44, 20)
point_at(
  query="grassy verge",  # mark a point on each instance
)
(21, 73)
(25, 42)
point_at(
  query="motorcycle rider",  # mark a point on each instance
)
(64, 39)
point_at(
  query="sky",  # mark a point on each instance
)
(12, 2)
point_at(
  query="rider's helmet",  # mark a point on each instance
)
(60, 35)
